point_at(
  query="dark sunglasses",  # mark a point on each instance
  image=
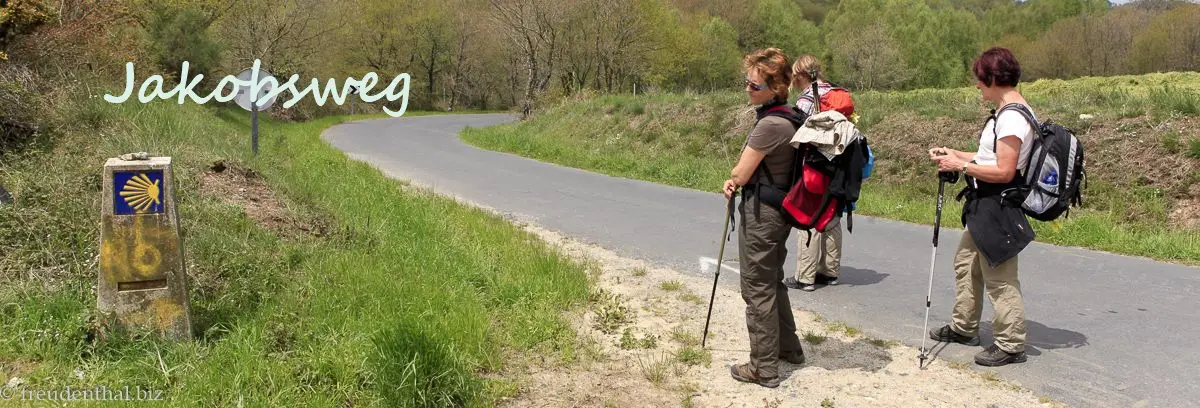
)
(753, 85)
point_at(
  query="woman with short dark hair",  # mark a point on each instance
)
(766, 163)
(996, 227)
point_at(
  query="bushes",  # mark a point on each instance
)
(181, 35)
(19, 97)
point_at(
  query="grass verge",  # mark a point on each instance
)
(399, 299)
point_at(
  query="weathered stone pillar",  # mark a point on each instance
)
(142, 279)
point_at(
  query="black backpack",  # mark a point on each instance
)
(1054, 175)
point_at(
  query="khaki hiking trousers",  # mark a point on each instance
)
(972, 277)
(822, 254)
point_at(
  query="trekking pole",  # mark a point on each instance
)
(720, 260)
(943, 178)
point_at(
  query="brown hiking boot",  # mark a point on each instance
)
(993, 356)
(745, 373)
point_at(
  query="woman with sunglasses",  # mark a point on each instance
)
(766, 160)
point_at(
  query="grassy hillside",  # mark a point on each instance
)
(315, 281)
(1142, 150)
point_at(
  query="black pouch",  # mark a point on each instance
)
(770, 195)
(1000, 230)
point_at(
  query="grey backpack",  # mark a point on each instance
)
(1054, 176)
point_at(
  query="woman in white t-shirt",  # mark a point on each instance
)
(996, 228)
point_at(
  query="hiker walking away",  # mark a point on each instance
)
(819, 259)
(996, 227)
(763, 233)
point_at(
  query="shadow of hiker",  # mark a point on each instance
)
(859, 277)
(1039, 336)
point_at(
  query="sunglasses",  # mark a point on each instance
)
(753, 85)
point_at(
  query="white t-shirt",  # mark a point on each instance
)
(1010, 123)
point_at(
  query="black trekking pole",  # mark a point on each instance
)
(720, 261)
(943, 178)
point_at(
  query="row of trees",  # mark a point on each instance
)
(513, 53)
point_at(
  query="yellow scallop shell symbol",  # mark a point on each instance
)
(140, 193)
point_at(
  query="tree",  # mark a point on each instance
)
(721, 61)
(181, 35)
(289, 37)
(1039, 15)
(533, 28)
(869, 59)
(20, 17)
(1171, 42)
(783, 26)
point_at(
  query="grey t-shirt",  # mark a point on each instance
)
(771, 135)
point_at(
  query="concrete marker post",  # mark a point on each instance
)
(142, 279)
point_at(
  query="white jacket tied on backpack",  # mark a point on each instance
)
(829, 131)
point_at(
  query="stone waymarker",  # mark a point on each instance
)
(142, 278)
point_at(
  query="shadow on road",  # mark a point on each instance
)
(1039, 336)
(860, 277)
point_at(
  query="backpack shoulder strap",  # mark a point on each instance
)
(1028, 118)
(1024, 112)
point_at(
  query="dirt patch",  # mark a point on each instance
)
(15, 371)
(1187, 214)
(244, 187)
(668, 308)
(1140, 157)
(901, 144)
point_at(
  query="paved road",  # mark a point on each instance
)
(1104, 330)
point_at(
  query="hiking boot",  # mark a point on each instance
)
(791, 283)
(993, 356)
(795, 357)
(826, 279)
(946, 334)
(745, 373)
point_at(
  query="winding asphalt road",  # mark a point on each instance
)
(1103, 330)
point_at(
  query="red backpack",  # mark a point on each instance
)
(821, 187)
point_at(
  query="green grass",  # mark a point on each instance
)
(656, 368)
(692, 141)
(692, 298)
(693, 356)
(813, 338)
(409, 300)
(887, 344)
(629, 342)
(687, 339)
(610, 312)
(844, 328)
(671, 286)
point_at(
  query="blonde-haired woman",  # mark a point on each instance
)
(820, 258)
(763, 232)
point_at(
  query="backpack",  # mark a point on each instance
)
(836, 98)
(839, 99)
(1053, 178)
(821, 189)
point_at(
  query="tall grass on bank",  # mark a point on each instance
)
(407, 300)
(692, 141)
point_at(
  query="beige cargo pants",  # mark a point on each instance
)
(824, 252)
(972, 276)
